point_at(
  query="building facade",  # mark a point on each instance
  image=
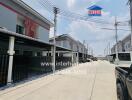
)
(67, 41)
(127, 43)
(24, 39)
(18, 17)
(123, 45)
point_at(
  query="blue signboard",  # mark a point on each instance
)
(94, 11)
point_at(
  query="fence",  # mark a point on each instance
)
(25, 67)
(4, 59)
(63, 62)
(40, 65)
(20, 67)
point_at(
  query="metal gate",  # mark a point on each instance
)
(28, 66)
(63, 62)
(20, 68)
(4, 60)
(40, 65)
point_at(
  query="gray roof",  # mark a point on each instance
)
(64, 36)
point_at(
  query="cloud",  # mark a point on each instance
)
(88, 30)
(93, 33)
(70, 3)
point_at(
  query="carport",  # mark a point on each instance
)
(22, 57)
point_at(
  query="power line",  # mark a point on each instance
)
(70, 14)
(49, 5)
(114, 29)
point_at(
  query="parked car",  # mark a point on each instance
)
(124, 82)
(124, 58)
(89, 60)
(94, 58)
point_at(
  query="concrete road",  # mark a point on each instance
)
(89, 81)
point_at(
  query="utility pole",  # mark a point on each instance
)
(104, 52)
(109, 49)
(116, 37)
(130, 1)
(88, 50)
(55, 29)
(91, 51)
(131, 22)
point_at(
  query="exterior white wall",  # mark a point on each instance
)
(67, 55)
(20, 21)
(8, 19)
(113, 50)
(68, 44)
(43, 34)
(64, 43)
(74, 47)
(127, 46)
(81, 49)
(57, 43)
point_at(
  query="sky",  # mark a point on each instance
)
(90, 31)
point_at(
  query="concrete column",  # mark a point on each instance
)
(11, 52)
(58, 53)
(44, 53)
(72, 55)
(35, 54)
(53, 53)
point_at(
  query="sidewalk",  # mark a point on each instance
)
(89, 81)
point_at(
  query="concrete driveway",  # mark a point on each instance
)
(89, 81)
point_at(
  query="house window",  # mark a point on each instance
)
(19, 29)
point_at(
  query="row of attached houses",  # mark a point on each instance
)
(24, 39)
(79, 49)
(17, 16)
(25, 49)
(67, 41)
(123, 45)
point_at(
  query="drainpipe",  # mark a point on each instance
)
(11, 52)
